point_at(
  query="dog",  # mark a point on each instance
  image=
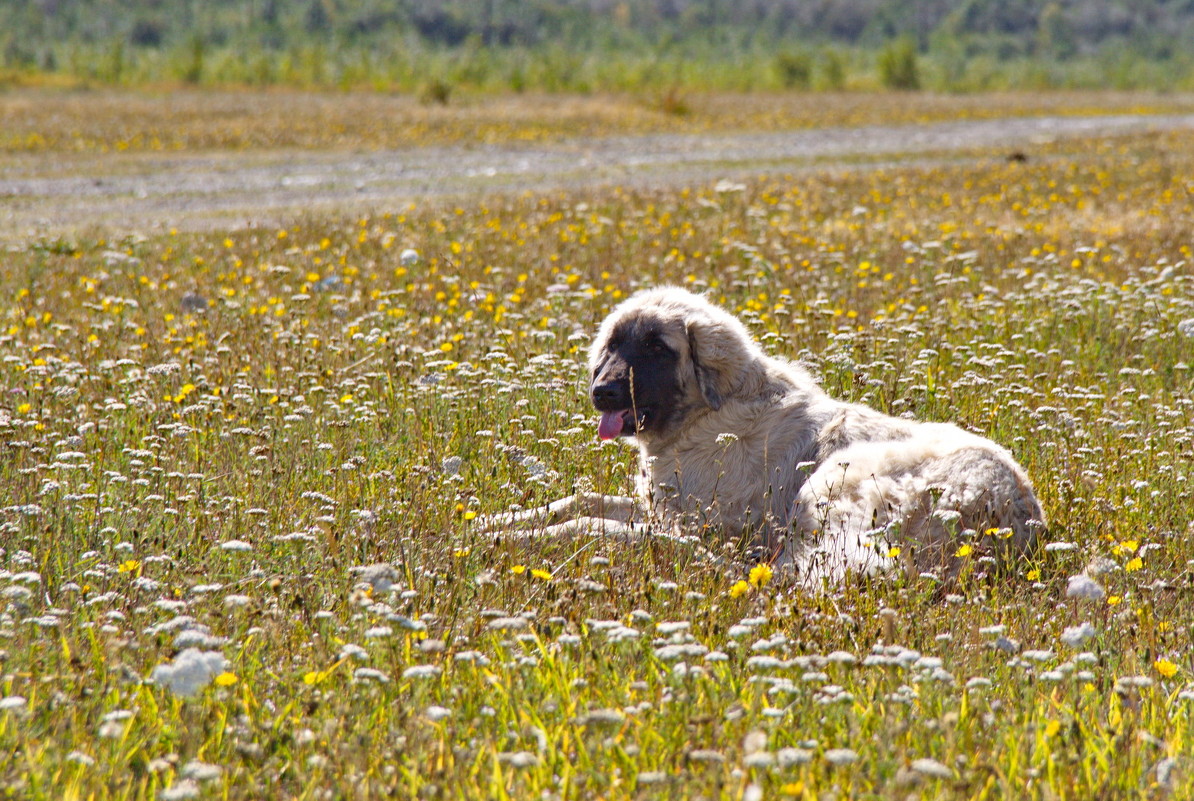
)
(738, 445)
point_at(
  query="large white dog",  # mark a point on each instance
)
(734, 444)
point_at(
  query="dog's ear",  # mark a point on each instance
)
(706, 374)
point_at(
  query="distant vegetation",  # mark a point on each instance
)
(440, 47)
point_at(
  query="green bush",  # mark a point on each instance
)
(898, 67)
(795, 69)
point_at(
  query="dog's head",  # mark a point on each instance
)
(662, 355)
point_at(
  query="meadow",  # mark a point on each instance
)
(242, 470)
(111, 124)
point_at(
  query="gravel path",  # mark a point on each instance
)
(53, 195)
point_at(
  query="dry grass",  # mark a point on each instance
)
(187, 120)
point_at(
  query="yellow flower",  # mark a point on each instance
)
(129, 566)
(1034, 574)
(226, 679)
(518, 570)
(739, 589)
(25, 408)
(1113, 600)
(760, 574)
(893, 552)
(460, 553)
(1052, 727)
(1166, 668)
(1134, 565)
(965, 550)
(541, 574)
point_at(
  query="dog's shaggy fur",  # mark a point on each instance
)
(736, 444)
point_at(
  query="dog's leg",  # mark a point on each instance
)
(619, 508)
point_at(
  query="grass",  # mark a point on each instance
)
(114, 122)
(270, 445)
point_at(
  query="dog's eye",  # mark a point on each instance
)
(656, 345)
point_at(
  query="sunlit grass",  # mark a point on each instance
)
(186, 120)
(269, 446)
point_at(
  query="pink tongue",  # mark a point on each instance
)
(610, 424)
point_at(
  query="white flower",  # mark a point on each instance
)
(1084, 588)
(371, 674)
(931, 767)
(437, 713)
(409, 257)
(185, 789)
(518, 759)
(788, 757)
(236, 545)
(201, 771)
(1074, 636)
(503, 623)
(190, 672)
(421, 672)
(380, 576)
(12, 702)
(841, 756)
(1186, 328)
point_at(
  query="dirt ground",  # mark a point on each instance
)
(46, 196)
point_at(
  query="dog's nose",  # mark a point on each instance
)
(606, 393)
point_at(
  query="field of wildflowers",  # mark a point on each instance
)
(240, 472)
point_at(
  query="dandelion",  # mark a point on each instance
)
(1166, 668)
(760, 574)
(739, 589)
(964, 551)
(543, 575)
